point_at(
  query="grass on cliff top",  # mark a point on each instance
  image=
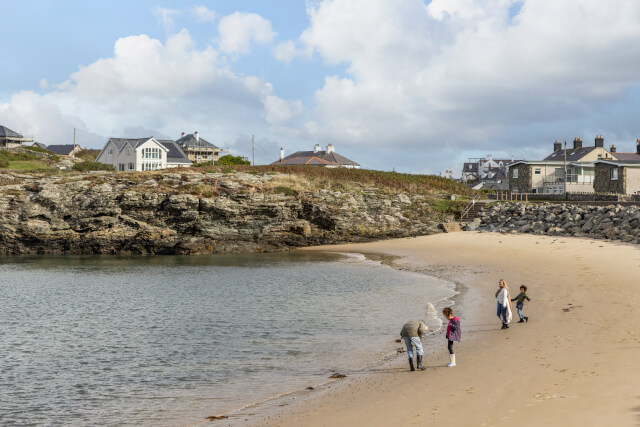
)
(340, 178)
(28, 165)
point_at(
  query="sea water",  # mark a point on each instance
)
(170, 340)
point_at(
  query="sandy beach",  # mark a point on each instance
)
(575, 363)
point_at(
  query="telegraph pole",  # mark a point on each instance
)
(74, 137)
(253, 150)
(565, 169)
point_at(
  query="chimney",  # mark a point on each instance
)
(330, 148)
(195, 134)
(638, 146)
(613, 149)
(577, 143)
(599, 141)
(557, 146)
(281, 153)
(316, 148)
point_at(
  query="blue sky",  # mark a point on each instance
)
(411, 85)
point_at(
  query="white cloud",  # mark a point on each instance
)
(166, 17)
(239, 30)
(285, 51)
(466, 72)
(162, 88)
(203, 14)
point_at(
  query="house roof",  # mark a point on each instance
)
(5, 132)
(62, 149)
(175, 153)
(626, 156)
(320, 158)
(573, 154)
(632, 163)
(134, 142)
(39, 144)
(190, 141)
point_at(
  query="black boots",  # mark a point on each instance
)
(526, 319)
(422, 368)
(419, 365)
(521, 321)
(504, 326)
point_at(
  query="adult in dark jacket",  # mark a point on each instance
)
(412, 332)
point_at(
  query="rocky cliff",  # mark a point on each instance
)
(192, 213)
(614, 222)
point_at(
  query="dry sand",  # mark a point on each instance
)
(576, 363)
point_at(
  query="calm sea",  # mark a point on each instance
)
(171, 340)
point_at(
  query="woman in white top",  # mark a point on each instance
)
(503, 304)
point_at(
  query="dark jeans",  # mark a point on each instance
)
(450, 345)
(502, 312)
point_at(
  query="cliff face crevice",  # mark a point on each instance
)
(193, 213)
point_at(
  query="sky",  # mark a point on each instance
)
(408, 85)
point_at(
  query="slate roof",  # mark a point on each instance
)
(626, 156)
(39, 144)
(120, 142)
(190, 141)
(175, 153)
(5, 132)
(321, 158)
(573, 154)
(61, 149)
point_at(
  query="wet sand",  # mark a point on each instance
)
(575, 363)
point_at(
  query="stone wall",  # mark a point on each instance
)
(612, 222)
(604, 184)
(521, 184)
(189, 212)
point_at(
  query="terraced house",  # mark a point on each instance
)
(548, 175)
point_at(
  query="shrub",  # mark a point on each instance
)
(92, 166)
(87, 154)
(288, 191)
(4, 163)
(232, 160)
(36, 149)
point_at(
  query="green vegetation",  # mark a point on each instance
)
(232, 160)
(36, 149)
(349, 178)
(92, 166)
(29, 165)
(87, 155)
(288, 191)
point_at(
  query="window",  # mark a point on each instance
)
(131, 166)
(599, 156)
(121, 166)
(537, 171)
(110, 150)
(151, 153)
(614, 174)
(128, 151)
(514, 174)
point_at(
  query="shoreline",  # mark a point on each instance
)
(572, 364)
(253, 412)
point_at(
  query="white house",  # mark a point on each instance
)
(142, 154)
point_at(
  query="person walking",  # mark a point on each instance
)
(412, 332)
(503, 304)
(520, 303)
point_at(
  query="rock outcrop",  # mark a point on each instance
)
(192, 213)
(612, 222)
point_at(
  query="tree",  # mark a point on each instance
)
(232, 160)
